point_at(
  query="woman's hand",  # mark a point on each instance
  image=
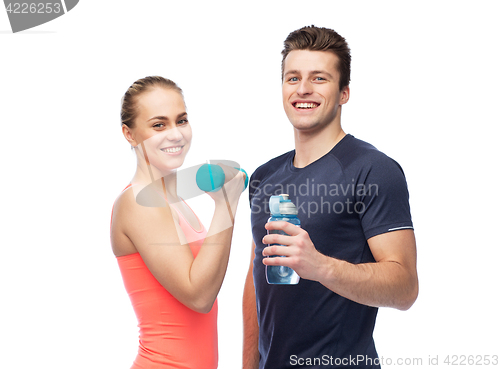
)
(232, 189)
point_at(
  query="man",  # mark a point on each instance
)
(356, 249)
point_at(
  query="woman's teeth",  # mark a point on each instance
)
(172, 149)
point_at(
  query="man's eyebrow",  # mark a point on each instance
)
(314, 72)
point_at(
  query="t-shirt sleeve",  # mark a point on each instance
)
(253, 184)
(383, 198)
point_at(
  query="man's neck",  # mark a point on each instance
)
(310, 146)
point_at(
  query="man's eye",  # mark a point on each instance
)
(293, 79)
(320, 79)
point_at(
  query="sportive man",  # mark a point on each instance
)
(355, 250)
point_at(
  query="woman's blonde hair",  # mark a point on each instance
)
(129, 100)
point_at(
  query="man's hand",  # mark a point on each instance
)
(301, 255)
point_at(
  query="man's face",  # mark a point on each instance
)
(311, 95)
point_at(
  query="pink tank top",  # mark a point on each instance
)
(170, 334)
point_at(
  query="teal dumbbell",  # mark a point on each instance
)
(211, 177)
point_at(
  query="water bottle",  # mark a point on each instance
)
(281, 209)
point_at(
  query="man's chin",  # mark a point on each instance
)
(306, 126)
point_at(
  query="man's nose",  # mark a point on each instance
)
(304, 87)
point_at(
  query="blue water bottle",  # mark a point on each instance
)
(282, 209)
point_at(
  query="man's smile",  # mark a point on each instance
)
(305, 104)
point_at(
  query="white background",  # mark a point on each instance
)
(424, 90)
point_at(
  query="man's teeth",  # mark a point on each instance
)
(306, 105)
(172, 149)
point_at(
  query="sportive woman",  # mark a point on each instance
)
(172, 267)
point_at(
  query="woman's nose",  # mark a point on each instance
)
(174, 134)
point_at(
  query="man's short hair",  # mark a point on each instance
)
(320, 39)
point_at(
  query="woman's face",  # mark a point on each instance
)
(162, 128)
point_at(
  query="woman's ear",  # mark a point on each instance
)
(127, 132)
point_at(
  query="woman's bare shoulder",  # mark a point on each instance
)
(138, 204)
(136, 214)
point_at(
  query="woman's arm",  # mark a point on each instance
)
(195, 282)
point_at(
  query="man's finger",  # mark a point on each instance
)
(276, 250)
(288, 228)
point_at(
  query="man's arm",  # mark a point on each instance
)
(391, 281)
(250, 324)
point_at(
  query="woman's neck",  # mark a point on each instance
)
(164, 183)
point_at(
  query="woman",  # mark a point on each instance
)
(172, 283)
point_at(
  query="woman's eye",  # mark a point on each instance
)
(182, 122)
(159, 125)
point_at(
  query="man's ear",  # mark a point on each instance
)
(344, 95)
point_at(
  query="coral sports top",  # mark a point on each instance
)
(170, 334)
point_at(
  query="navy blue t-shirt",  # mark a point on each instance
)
(347, 196)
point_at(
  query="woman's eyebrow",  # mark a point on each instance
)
(160, 117)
